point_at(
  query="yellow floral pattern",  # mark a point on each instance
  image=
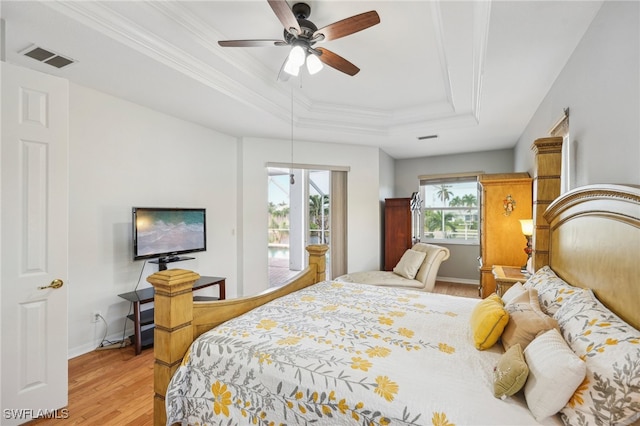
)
(553, 291)
(221, 398)
(440, 419)
(333, 353)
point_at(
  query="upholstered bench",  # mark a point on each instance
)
(412, 271)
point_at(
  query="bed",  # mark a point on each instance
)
(324, 352)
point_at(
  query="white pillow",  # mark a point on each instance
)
(410, 263)
(512, 292)
(555, 373)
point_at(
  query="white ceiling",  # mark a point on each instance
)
(472, 73)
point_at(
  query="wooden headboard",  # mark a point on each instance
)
(594, 242)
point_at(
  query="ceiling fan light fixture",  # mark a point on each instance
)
(297, 56)
(314, 65)
(291, 69)
(295, 60)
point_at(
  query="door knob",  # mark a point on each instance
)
(57, 283)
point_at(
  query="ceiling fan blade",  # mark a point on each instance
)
(337, 62)
(348, 26)
(285, 15)
(251, 43)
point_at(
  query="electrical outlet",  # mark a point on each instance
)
(95, 316)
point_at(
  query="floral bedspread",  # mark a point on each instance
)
(343, 353)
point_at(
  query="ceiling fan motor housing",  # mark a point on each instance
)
(307, 28)
(301, 10)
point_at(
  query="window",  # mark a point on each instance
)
(450, 210)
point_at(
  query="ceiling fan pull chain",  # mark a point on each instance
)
(291, 178)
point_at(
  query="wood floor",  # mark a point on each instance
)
(109, 387)
(115, 387)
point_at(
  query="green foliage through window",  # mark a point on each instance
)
(450, 211)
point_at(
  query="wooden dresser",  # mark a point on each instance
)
(504, 200)
(397, 230)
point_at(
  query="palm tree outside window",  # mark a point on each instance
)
(450, 208)
(298, 215)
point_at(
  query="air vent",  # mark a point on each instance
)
(47, 56)
(421, 138)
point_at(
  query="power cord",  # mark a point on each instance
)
(108, 344)
(124, 342)
(104, 341)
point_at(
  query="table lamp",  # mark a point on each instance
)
(527, 230)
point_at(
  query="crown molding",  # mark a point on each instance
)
(482, 17)
(274, 97)
(112, 24)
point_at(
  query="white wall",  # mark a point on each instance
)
(124, 155)
(363, 210)
(601, 85)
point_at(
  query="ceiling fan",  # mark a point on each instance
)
(302, 35)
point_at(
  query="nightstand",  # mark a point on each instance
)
(506, 276)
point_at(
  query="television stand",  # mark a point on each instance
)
(144, 338)
(162, 262)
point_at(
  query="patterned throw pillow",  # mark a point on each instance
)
(610, 393)
(552, 290)
(511, 373)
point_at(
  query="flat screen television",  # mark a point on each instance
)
(165, 233)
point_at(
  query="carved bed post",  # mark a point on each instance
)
(317, 257)
(173, 304)
(177, 322)
(546, 188)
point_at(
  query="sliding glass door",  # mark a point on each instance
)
(299, 214)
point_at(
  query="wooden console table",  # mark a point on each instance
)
(141, 318)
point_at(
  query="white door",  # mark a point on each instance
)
(34, 250)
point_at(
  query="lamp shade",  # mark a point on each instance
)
(295, 60)
(291, 69)
(297, 56)
(527, 226)
(313, 64)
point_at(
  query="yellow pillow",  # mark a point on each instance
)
(488, 320)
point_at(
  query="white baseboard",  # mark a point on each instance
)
(90, 347)
(459, 280)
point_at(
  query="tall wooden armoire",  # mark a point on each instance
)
(397, 230)
(504, 200)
